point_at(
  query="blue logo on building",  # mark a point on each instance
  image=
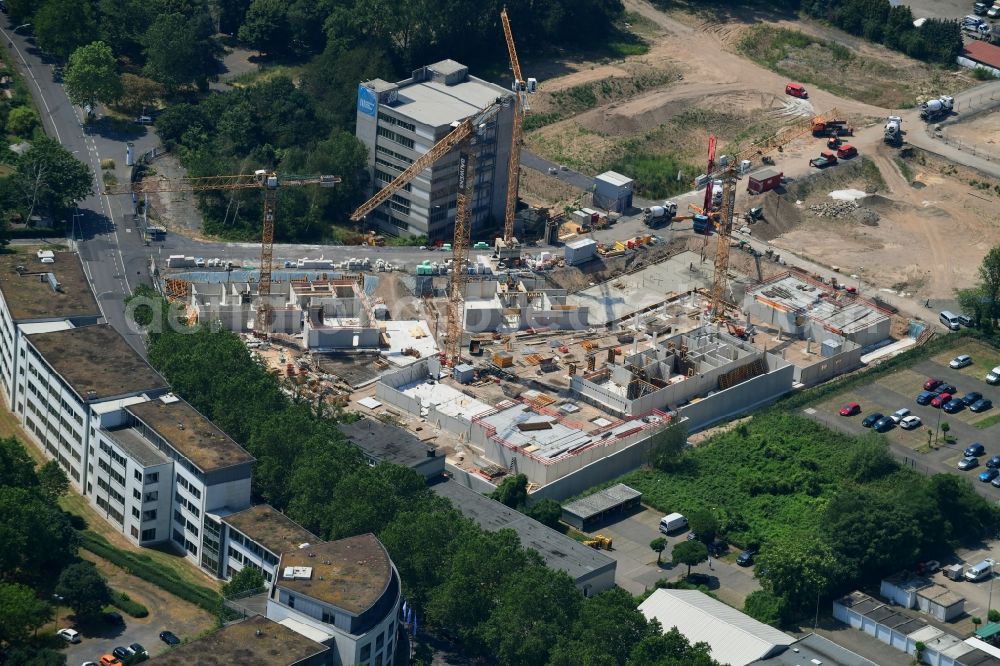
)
(367, 101)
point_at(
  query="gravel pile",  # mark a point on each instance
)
(846, 210)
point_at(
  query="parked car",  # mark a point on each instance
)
(995, 482)
(968, 463)
(850, 409)
(932, 384)
(110, 660)
(964, 321)
(947, 388)
(971, 397)
(988, 475)
(993, 376)
(953, 405)
(960, 361)
(993, 462)
(745, 558)
(122, 652)
(138, 649)
(926, 397)
(718, 548)
(884, 424)
(871, 419)
(927, 568)
(114, 617)
(911, 422)
(940, 399)
(169, 638)
(699, 579)
(974, 449)
(69, 635)
(899, 415)
(981, 405)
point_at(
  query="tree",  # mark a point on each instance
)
(989, 284)
(247, 579)
(869, 460)
(606, 629)
(704, 524)
(92, 76)
(512, 491)
(47, 176)
(178, 50)
(767, 608)
(53, 481)
(670, 648)
(37, 536)
(535, 605)
(84, 589)
(547, 512)
(21, 612)
(798, 570)
(658, 545)
(689, 553)
(16, 466)
(21, 121)
(668, 447)
(265, 27)
(62, 26)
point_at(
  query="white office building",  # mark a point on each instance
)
(399, 122)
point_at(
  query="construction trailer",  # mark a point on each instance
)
(764, 180)
(613, 192)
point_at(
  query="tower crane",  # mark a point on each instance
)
(729, 175)
(462, 137)
(262, 179)
(509, 246)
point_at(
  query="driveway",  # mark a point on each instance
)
(637, 570)
(900, 389)
(165, 612)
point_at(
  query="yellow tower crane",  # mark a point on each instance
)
(462, 137)
(262, 179)
(508, 248)
(729, 176)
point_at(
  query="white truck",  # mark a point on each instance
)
(654, 216)
(934, 109)
(893, 133)
(673, 523)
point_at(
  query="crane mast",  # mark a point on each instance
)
(514, 165)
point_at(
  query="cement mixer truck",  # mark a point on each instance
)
(893, 134)
(934, 109)
(655, 216)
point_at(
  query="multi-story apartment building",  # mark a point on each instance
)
(256, 537)
(344, 594)
(399, 122)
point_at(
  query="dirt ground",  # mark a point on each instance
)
(692, 82)
(929, 237)
(177, 211)
(983, 130)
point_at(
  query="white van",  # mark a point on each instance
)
(979, 571)
(994, 376)
(672, 523)
(950, 319)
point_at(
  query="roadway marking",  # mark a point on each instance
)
(41, 95)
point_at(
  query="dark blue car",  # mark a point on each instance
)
(971, 398)
(926, 397)
(974, 450)
(981, 405)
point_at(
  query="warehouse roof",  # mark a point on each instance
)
(982, 52)
(382, 441)
(557, 550)
(814, 649)
(602, 501)
(734, 637)
(351, 574)
(96, 362)
(192, 435)
(270, 528)
(253, 642)
(30, 294)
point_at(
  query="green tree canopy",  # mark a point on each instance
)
(62, 26)
(689, 553)
(704, 524)
(47, 176)
(84, 589)
(512, 491)
(797, 570)
(668, 447)
(265, 26)
(16, 466)
(52, 481)
(21, 612)
(92, 75)
(178, 49)
(247, 579)
(658, 545)
(546, 511)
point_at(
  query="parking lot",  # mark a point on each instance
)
(637, 568)
(916, 447)
(166, 612)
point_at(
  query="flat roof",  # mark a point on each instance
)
(239, 643)
(386, 442)
(137, 447)
(790, 293)
(982, 52)
(559, 551)
(815, 649)
(270, 528)
(583, 242)
(97, 359)
(614, 178)
(191, 434)
(351, 574)
(601, 501)
(30, 295)
(764, 174)
(436, 104)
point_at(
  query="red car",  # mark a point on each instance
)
(796, 90)
(932, 384)
(940, 399)
(850, 409)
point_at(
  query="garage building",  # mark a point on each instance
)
(592, 510)
(613, 191)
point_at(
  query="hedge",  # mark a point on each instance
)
(124, 603)
(143, 567)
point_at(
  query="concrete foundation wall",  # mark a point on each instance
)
(741, 398)
(341, 338)
(828, 368)
(478, 320)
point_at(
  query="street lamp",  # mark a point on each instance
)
(76, 215)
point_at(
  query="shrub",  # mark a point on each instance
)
(123, 602)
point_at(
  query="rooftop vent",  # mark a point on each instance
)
(91, 394)
(297, 573)
(169, 398)
(304, 545)
(258, 633)
(180, 426)
(53, 282)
